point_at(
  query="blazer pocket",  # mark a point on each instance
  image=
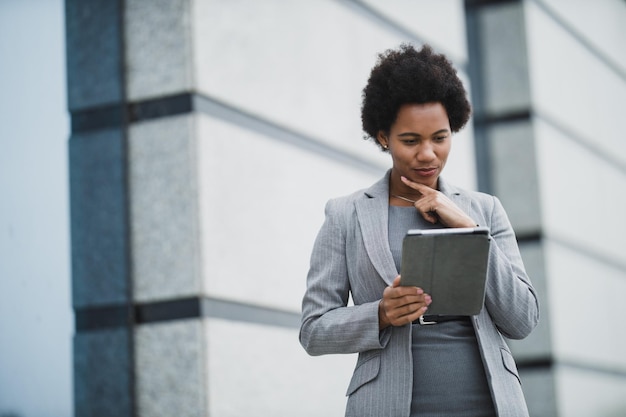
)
(509, 363)
(366, 370)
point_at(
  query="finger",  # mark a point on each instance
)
(419, 313)
(395, 290)
(409, 302)
(412, 310)
(396, 282)
(390, 289)
(424, 189)
(403, 291)
(409, 317)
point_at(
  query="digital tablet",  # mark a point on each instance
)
(450, 264)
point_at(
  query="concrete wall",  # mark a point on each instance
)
(578, 72)
(551, 83)
(207, 137)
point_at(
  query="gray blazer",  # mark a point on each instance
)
(351, 255)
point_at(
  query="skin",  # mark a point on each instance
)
(419, 142)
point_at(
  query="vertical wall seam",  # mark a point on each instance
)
(474, 71)
(125, 122)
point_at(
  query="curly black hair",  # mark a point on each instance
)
(404, 76)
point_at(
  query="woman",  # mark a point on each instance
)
(458, 366)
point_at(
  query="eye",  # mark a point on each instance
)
(440, 138)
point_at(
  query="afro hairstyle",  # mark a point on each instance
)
(404, 76)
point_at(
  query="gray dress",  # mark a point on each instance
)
(448, 375)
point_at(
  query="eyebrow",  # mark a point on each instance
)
(413, 134)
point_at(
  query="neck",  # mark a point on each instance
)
(400, 194)
(397, 187)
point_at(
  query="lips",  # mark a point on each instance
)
(426, 172)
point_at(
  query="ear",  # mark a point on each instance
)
(381, 137)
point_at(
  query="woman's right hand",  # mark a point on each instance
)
(401, 305)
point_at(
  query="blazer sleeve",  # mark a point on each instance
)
(329, 325)
(510, 297)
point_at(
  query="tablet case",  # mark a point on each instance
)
(450, 265)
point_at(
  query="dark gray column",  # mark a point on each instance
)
(133, 216)
(507, 166)
(101, 270)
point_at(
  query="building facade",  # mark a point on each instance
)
(207, 136)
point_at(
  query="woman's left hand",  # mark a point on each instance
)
(435, 206)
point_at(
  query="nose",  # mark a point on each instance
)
(426, 152)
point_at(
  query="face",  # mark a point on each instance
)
(419, 142)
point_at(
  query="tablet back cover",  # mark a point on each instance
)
(450, 265)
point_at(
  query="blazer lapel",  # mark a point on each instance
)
(373, 213)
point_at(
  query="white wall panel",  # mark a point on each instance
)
(262, 203)
(585, 297)
(300, 64)
(579, 92)
(584, 393)
(263, 371)
(583, 197)
(599, 22)
(440, 23)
